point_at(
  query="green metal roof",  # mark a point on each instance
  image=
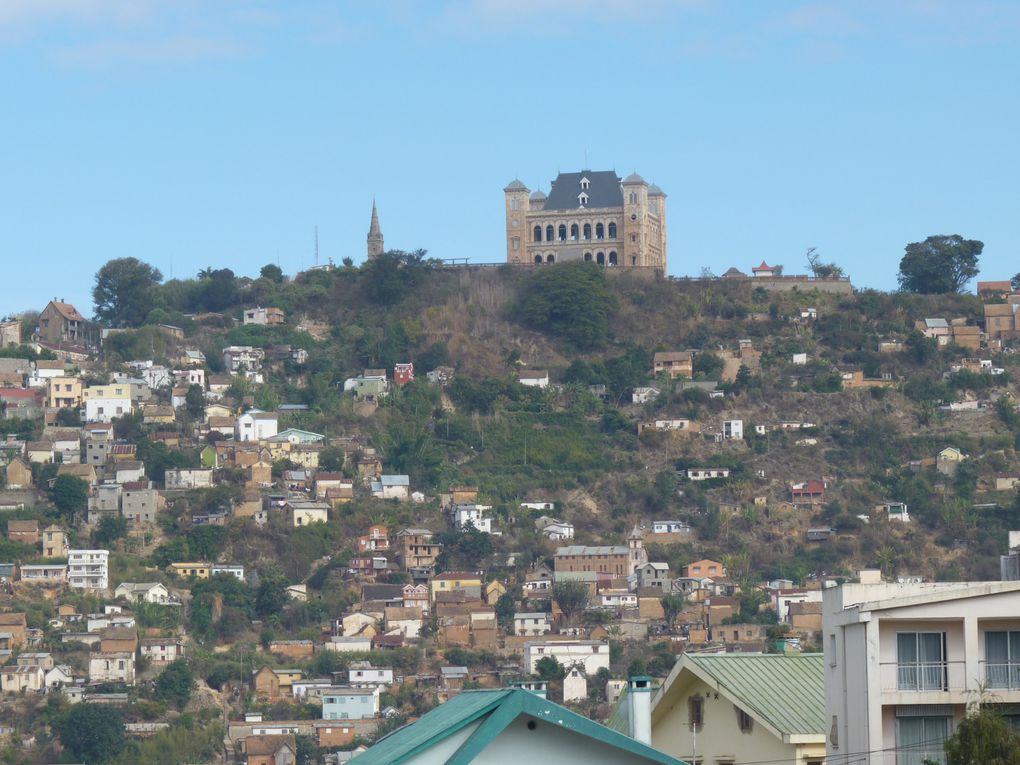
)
(496, 710)
(787, 691)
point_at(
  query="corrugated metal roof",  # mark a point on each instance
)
(470, 706)
(788, 691)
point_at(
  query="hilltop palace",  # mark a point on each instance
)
(590, 215)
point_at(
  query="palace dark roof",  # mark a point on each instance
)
(603, 190)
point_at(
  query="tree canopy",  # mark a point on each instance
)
(570, 300)
(939, 264)
(93, 733)
(984, 737)
(572, 598)
(69, 493)
(174, 684)
(124, 290)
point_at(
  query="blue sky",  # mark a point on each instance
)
(193, 133)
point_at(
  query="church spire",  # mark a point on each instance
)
(375, 237)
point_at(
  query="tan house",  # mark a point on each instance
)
(704, 567)
(61, 322)
(18, 474)
(54, 542)
(25, 532)
(716, 708)
(186, 570)
(158, 414)
(21, 679)
(63, 392)
(292, 649)
(674, 363)
(39, 452)
(118, 639)
(86, 473)
(13, 630)
(1001, 320)
(271, 749)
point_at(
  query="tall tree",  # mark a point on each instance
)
(174, 684)
(672, 605)
(571, 597)
(124, 290)
(939, 264)
(69, 493)
(93, 733)
(570, 300)
(272, 272)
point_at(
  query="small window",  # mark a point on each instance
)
(582, 199)
(745, 721)
(696, 713)
(515, 243)
(515, 203)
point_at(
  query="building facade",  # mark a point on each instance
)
(588, 216)
(905, 662)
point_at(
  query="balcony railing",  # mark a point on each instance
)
(1002, 677)
(923, 676)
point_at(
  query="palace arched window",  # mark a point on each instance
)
(538, 233)
(538, 258)
(550, 258)
(563, 232)
(612, 259)
(587, 257)
(549, 234)
(612, 231)
(587, 231)
(573, 232)
(600, 231)
(600, 258)
(633, 197)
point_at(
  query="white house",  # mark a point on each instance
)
(465, 515)
(593, 655)
(532, 623)
(362, 674)
(733, 430)
(904, 663)
(670, 527)
(705, 474)
(235, 570)
(104, 402)
(188, 479)
(348, 644)
(256, 425)
(162, 650)
(644, 395)
(307, 512)
(348, 703)
(782, 599)
(88, 569)
(554, 528)
(112, 667)
(143, 592)
(392, 487)
(246, 357)
(535, 378)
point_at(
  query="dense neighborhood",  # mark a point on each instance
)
(276, 520)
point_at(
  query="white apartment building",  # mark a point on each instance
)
(532, 623)
(733, 430)
(471, 515)
(88, 569)
(904, 661)
(362, 674)
(104, 402)
(590, 654)
(112, 667)
(256, 425)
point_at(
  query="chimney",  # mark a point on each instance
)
(640, 696)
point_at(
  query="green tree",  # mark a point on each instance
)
(331, 460)
(570, 300)
(550, 669)
(93, 733)
(174, 684)
(110, 529)
(124, 290)
(272, 272)
(1015, 282)
(983, 738)
(194, 401)
(921, 349)
(70, 494)
(672, 606)
(271, 596)
(939, 264)
(505, 608)
(822, 270)
(572, 598)
(390, 277)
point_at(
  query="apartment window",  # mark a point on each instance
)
(1002, 659)
(920, 739)
(921, 661)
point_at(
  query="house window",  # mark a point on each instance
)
(745, 721)
(921, 661)
(696, 713)
(1002, 660)
(920, 740)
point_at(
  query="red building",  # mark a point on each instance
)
(403, 373)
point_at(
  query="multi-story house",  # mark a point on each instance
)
(112, 667)
(256, 425)
(88, 569)
(611, 560)
(532, 623)
(104, 402)
(243, 357)
(591, 655)
(61, 323)
(350, 703)
(162, 650)
(904, 663)
(63, 392)
(417, 550)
